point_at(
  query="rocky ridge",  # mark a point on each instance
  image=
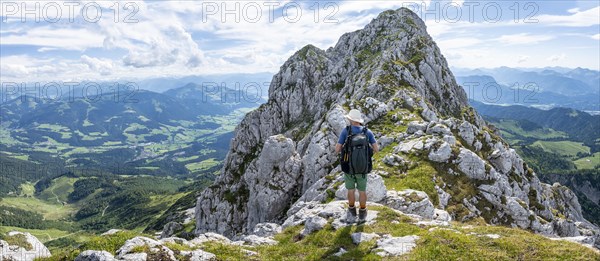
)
(282, 154)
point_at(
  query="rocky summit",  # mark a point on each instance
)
(439, 160)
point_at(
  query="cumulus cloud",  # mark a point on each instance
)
(522, 58)
(577, 18)
(103, 66)
(523, 38)
(557, 57)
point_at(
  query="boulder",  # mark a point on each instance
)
(411, 202)
(266, 229)
(465, 130)
(442, 154)
(395, 246)
(415, 126)
(93, 255)
(313, 224)
(170, 229)
(360, 237)
(471, 165)
(255, 240)
(33, 249)
(199, 255)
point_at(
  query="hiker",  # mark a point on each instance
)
(356, 151)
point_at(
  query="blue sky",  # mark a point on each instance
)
(150, 39)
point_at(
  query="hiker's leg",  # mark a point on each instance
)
(350, 186)
(361, 185)
(351, 198)
(362, 199)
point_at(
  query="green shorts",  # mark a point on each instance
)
(356, 181)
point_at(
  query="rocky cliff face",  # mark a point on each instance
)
(282, 155)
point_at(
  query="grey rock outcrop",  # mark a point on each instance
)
(360, 237)
(442, 154)
(266, 229)
(34, 249)
(411, 202)
(395, 246)
(93, 255)
(170, 229)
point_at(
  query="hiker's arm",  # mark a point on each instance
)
(375, 147)
(338, 148)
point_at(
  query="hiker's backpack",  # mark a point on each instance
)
(357, 153)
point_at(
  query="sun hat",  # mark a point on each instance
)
(355, 115)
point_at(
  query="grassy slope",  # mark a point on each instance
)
(59, 190)
(588, 162)
(43, 235)
(457, 243)
(566, 148)
(50, 210)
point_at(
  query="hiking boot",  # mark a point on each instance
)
(362, 215)
(351, 215)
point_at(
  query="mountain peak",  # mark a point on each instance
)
(391, 70)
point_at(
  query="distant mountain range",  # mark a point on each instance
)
(580, 126)
(544, 88)
(152, 133)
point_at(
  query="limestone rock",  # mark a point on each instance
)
(209, 236)
(415, 126)
(442, 154)
(411, 202)
(35, 249)
(266, 229)
(466, 131)
(471, 165)
(395, 246)
(255, 240)
(199, 255)
(360, 237)
(313, 224)
(170, 229)
(93, 255)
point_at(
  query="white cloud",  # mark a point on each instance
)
(165, 41)
(523, 58)
(103, 66)
(457, 43)
(577, 19)
(55, 38)
(523, 38)
(557, 57)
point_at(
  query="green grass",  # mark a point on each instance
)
(59, 190)
(566, 148)
(109, 243)
(50, 210)
(52, 127)
(512, 127)
(439, 244)
(417, 176)
(513, 244)
(203, 165)
(589, 162)
(181, 159)
(460, 243)
(43, 235)
(27, 190)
